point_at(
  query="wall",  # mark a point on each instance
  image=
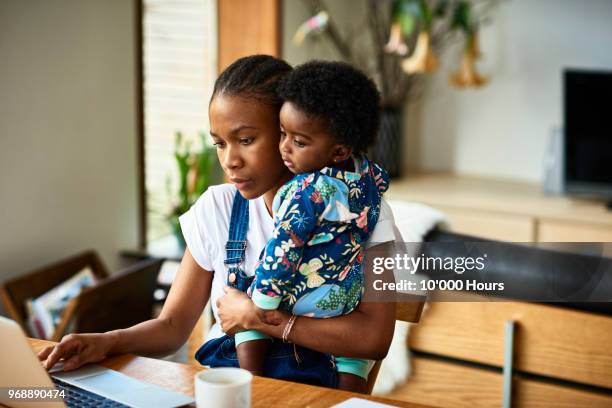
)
(67, 131)
(499, 130)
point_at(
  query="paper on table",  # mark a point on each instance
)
(360, 403)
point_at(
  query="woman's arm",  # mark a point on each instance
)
(167, 333)
(160, 336)
(372, 323)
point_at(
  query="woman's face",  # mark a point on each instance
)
(246, 134)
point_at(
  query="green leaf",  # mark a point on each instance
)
(411, 8)
(408, 13)
(178, 140)
(396, 9)
(427, 14)
(417, 10)
(406, 22)
(206, 163)
(441, 8)
(462, 17)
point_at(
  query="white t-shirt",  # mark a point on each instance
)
(206, 228)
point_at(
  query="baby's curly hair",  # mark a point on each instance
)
(342, 96)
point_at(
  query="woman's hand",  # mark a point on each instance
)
(237, 312)
(77, 350)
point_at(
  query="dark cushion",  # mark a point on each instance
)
(529, 271)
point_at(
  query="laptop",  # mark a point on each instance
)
(90, 385)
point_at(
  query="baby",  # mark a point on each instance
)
(324, 215)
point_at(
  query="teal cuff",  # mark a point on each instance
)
(357, 366)
(249, 335)
(264, 301)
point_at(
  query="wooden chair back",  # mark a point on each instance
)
(16, 291)
(409, 311)
(117, 301)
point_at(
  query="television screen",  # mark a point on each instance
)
(588, 132)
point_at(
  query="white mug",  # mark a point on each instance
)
(224, 387)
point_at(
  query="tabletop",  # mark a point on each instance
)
(265, 392)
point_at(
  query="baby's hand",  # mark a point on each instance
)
(271, 317)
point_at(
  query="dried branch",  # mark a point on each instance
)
(332, 31)
(396, 86)
(379, 58)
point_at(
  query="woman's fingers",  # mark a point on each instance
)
(228, 328)
(73, 362)
(227, 291)
(76, 350)
(86, 354)
(65, 349)
(231, 291)
(44, 353)
(57, 353)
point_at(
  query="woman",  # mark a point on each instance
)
(243, 111)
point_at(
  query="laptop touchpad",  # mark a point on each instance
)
(109, 382)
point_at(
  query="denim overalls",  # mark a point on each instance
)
(312, 368)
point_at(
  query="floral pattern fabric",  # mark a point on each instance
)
(313, 264)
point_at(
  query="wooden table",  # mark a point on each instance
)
(266, 392)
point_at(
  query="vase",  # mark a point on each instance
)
(387, 148)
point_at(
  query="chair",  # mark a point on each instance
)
(409, 311)
(116, 301)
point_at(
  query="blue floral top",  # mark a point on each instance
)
(312, 265)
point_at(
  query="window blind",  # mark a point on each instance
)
(179, 64)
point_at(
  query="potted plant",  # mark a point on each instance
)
(198, 170)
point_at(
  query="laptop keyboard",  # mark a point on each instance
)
(78, 397)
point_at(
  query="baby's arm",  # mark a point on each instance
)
(283, 253)
(275, 274)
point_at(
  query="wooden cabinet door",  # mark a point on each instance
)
(248, 27)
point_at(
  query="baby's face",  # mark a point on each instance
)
(305, 143)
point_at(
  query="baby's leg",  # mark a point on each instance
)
(352, 382)
(353, 374)
(252, 355)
